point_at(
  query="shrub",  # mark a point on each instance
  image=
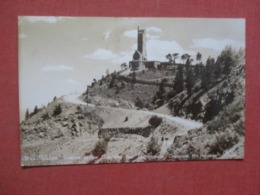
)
(155, 121)
(100, 148)
(45, 116)
(223, 142)
(112, 82)
(57, 110)
(139, 103)
(153, 147)
(170, 94)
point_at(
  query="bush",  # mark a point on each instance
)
(45, 116)
(153, 147)
(139, 103)
(223, 142)
(100, 148)
(170, 94)
(112, 82)
(155, 121)
(57, 110)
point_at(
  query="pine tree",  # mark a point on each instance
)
(27, 114)
(228, 59)
(198, 57)
(112, 82)
(57, 110)
(35, 110)
(178, 84)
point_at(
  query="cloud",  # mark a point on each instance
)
(101, 54)
(56, 68)
(48, 19)
(218, 45)
(153, 32)
(130, 33)
(22, 35)
(154, 29)
(153, 36)
(71, 81)
(115, 58)
(158, 49)
(123, 57)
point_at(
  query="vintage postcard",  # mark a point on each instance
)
(120, 90)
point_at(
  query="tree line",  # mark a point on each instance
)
(199, 76)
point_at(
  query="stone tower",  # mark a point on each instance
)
(139, 56)
(141, 43)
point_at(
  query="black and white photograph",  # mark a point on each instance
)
(96, 90)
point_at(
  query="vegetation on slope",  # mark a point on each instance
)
(212, 93)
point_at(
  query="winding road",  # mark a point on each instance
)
(74, 98)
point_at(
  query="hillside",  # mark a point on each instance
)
(213, 94)
(186, 112)
(83, 133)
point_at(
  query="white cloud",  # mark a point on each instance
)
(101, 54)
(71, 81)
(22, 35)
(153, 32)
(130, 33)
(56, 68)
(218, 45)
(48, 19)
(158, 49)
(153, 36)
(115, 58)
(154, 29)
(123, 57)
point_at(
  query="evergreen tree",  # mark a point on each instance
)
(207, 74)
(161, 91)
(27, 114)
(112, 82)
(198, 57)
(169, 57)
(35, 110)
(217, 70)
(57, 110)
(189, 76)
(204, 78)
(228, 59)
(175, 56)
(159, 97)
(197, 71)
(178, 84)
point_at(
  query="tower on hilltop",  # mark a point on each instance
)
(141, 43)
(139, 61)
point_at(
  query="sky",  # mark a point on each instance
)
(62, 55)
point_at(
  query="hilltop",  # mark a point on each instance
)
(213, 93)
(157, 113)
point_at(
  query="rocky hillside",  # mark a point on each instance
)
(147, 115)
(213, 93)
(58, 133)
